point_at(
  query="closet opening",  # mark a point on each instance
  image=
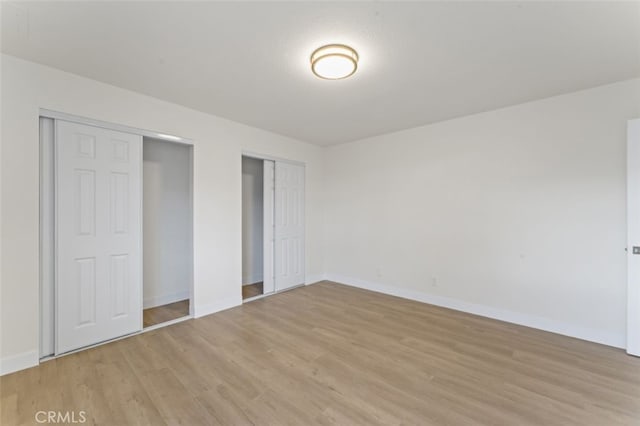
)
(257, 227)
(167, 224)
(272, 225)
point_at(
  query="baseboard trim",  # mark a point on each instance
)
(314, 279)
(252, 279)
(578, 332)
(13, 363)
(221, 305)
(165, 299)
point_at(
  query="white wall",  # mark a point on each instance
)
(252, 220)
(167, 263)
(517, 213)
(219, 143)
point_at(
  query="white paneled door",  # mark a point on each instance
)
(633, 237)
(98, 235)
(268, 226)
(289, 229)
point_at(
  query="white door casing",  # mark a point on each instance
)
(47, 242)
(633, 237)
(289, 230)
(98, 235)
(268, 226)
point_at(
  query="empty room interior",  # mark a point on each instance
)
(336, 213)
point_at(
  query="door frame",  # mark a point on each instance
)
(260, 156)
(633, 237)
(47, 223)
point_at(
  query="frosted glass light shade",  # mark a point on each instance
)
(334, 61)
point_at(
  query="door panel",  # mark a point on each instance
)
(633, 237)
(268, 226)
(289, 232)
(98, 235)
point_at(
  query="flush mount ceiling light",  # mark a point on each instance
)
(334, 61)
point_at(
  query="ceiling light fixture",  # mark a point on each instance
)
(334, 61)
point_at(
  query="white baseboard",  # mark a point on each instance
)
(18, 362)
(252, 279)
(164, 299)
(312, 279)
(221, 305)
(571, 330)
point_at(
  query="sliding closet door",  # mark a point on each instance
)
(98, 235)
(289, 230)
(633, 237)
(268, 227)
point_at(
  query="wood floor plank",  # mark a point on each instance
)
(164, 313)
(252, 290)
(334, 355)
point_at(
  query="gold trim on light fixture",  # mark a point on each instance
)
(334, 51)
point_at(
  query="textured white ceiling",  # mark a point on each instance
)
(249, 61)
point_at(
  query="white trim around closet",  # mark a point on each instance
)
(271, 158)
(113, 126)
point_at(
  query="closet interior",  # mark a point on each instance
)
(257, 227)
(167, 224)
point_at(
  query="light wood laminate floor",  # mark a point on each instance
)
(331, 354)
(164, 313)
